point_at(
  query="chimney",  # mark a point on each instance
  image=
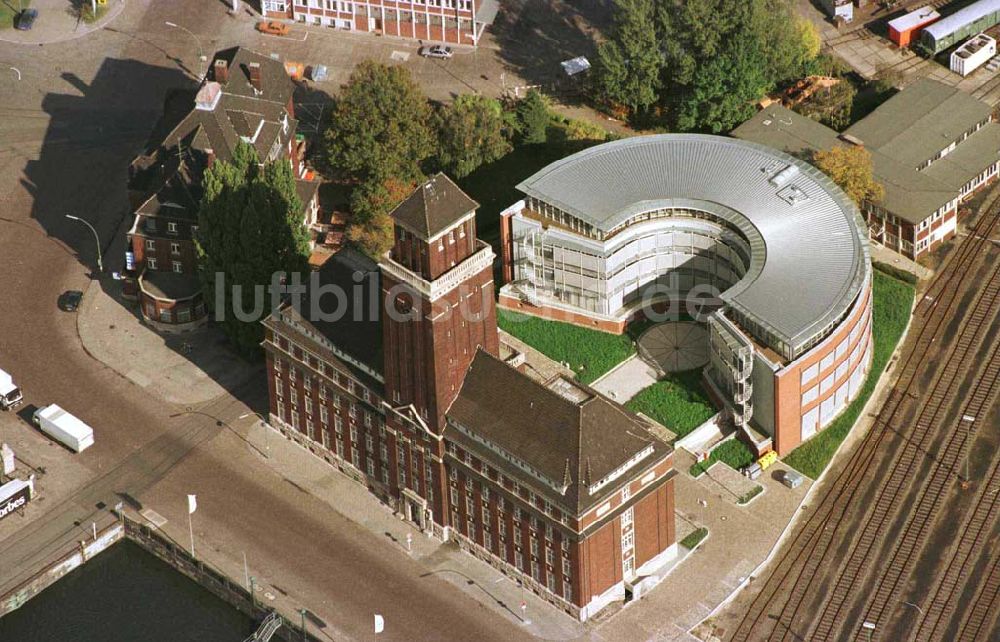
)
(221, 71)
(255, 79)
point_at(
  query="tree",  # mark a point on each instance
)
(723, 93)
(850, 167)
(532, 118)
(721, 56)
(583, 130)
(371, 226)
(471, 132)
(629, 63)
(379, 127)
(830, 105)
(250, 226)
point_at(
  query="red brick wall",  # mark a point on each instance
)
(653, 521)
(601, 559)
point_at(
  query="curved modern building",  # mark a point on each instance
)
(635, 226)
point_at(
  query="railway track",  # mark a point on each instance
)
(974, 535)
(930, 502)
(895, 486)
(984, 607)
(816, 534)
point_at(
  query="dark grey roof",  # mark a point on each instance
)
(918, 122)
(276, 85)
(434, 206)
(817, 238)
(346, 313)
(577, 433)
(169, 285)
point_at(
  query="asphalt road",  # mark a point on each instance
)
(67, 133)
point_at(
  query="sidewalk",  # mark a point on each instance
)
(184, 369)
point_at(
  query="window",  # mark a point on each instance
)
(354, 434)
(550, 556)
(566, 568)
(627, 518)
(628, 541)
(488, 541)
(172, 227)
(534, 546)
(309, 429)
(454, 498)
(175, 248)
(151, 262)
(178, 267)
(324, 415)
(294, 395)
(150, 244)
(326, 438)
(626, 493)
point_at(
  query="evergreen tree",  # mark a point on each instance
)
(629, 64)
(250, 226)
(532, 118)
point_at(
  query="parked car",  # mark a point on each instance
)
(436, 51)
(272, 27)
(791, 479)
(69, 300)
(26, 19)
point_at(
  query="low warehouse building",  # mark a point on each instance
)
(622, 229)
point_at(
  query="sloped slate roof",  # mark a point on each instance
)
(433, 207)
(552, 433)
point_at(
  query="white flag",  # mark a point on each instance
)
(379, 623)
(192, 504)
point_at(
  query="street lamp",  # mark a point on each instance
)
(302, 612)
(97, 239)
(201, 52)
(267, 445)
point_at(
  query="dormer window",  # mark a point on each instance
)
(451, 237)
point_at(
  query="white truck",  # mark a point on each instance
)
(64, 427)
(10, 394)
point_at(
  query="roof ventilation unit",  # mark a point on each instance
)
(783, 177)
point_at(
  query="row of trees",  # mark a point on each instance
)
(384, 133)
(700, 65)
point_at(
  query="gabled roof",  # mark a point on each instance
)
(568, 433)
(433, 207)
(276, 85)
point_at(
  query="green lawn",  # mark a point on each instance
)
(679, 402)
(9, 10)
(734, 453)
(590, 353)
(893, 301)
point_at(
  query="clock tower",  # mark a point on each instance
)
(437, 285)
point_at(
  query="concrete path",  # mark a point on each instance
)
(880, 254)
(626, 380)
(740, 538)
(183, 369)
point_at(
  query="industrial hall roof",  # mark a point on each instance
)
(565, 432)
(433, 207)
(809, 253)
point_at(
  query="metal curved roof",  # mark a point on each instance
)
(808, 242)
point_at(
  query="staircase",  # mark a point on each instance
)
(267, 628)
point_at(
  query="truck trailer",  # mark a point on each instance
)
(10, 394)
(64, 428)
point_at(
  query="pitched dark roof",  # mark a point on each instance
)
(351, 323)
(433, 207)
(566, 432)
(276, 85)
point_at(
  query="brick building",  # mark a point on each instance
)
(451, 21)
(393, 373)
(245, 97)
(932, 147)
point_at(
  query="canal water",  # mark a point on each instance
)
(125, 595)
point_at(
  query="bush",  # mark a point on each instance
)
(734, 453)
(583, 130)
(694, 538)
(896, 272)
(749, 495)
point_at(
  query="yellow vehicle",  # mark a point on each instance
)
(767, 459)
